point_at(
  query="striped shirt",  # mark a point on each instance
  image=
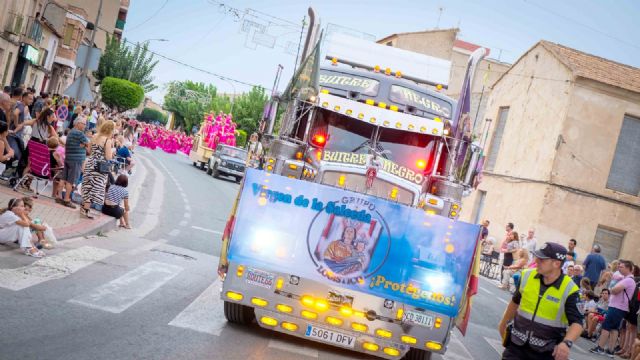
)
(117, 193)
(73, 150)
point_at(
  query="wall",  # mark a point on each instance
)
(110, 9)
(433, 43)
(596, 116)
(568, 215)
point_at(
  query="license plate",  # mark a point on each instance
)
(260, 278)
(418, 318)
(331, 337)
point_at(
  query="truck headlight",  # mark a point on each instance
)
(224, 163)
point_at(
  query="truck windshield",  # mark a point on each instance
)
(233, 152)
(349, 135)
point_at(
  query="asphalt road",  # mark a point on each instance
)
(152, 292)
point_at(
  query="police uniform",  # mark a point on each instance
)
(544, 312)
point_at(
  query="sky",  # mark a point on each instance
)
(218, 36)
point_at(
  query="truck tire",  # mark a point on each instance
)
(215, 172)
(238, 313)
(416, 354)
(209, 170)
(201, 166)
(195, 164)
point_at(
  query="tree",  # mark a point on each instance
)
(149, 115)
(241, 138)
(121, 94)
(131, 63)
(248, 108)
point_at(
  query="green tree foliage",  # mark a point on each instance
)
(149, 115)
(189, 101)
(133, 63)
(121, 94)
(248, 108)
(241, 138)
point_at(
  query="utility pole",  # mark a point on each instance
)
(85, 68)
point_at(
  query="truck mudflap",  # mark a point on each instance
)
(333, 315)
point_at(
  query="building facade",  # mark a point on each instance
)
(444, 44)
(563, 154)
(40, 39)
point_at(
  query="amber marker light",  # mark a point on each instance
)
(370, 346)
(309, 314)
(289, 326)
(269, 321)
(408, 339)
(359, 327)
(391, 351)
(234, 295)
(307, 300)
(284, 308)
(383, 333)
(240, 270)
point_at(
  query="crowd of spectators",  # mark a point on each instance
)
(609, 298)
(90, 158)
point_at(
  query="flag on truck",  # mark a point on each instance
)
(305, 81)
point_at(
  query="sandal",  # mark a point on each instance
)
(59, 201)
(87, 213)
(69, 204)
(36, 254)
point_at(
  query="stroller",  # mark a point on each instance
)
(40, 167)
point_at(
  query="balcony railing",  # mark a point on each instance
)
(34, 30)
(120, 24)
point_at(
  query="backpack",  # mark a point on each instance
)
(634, 300)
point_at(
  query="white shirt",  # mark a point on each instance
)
(94, 117)
(530, 245)
(8, 218)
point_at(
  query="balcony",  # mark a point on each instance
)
(124, 5)
(34, 32)
(120, 25)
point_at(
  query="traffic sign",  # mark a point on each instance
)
(62, 112)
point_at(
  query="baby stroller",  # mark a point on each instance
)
(40, 167)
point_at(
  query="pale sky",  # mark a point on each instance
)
(204, 34)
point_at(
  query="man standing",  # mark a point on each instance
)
(75, 154)
(594, 264)
(618, 308)
(529, 243)
(39, 105)
(544, 311)
(572, 249)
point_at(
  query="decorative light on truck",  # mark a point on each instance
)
(269, 321)
(319, 140)
(289, 326)
(234, 295)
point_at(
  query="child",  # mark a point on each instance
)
(56, 156)
(14, 225)
(37, 227)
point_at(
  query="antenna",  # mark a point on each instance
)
(440, 10)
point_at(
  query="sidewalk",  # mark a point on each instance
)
(66, 223)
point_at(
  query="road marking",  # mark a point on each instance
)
(174, 232)
(187, 208)
(289, 347)
(205, 314)
(118, 295)
(495, 344)
(183, 223)
(154, 206)
(51, 268)
(456, 349)
(187, 215)
(492, 294)
(207, 230)
(485, 290)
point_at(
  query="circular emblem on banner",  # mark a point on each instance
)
(348, 240)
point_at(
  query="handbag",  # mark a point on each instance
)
(103, 166)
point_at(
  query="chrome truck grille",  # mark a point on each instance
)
(357, 182)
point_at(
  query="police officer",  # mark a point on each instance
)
(543, 315)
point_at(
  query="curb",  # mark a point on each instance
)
(101, 224)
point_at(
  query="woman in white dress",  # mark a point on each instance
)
(16, 226)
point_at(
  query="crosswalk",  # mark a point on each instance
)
(123, 290)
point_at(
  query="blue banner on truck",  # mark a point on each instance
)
(357, 241)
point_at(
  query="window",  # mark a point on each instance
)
(68, 35)
(390, 43)
(624, 175)
(610, 242)
(6, 68)
(503, 113)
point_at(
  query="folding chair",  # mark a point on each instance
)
(39, 167)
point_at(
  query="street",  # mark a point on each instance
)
(152, 292)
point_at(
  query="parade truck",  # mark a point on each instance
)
(200, 153)
(349, 233)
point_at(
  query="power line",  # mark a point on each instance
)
(151, 17)
(581, 24)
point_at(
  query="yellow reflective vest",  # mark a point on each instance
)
(540, 316)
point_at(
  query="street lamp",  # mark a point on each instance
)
(138, 44)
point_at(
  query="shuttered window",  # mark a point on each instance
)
(624, 175)
(503, 113)
(610, 242)
(68, 35)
